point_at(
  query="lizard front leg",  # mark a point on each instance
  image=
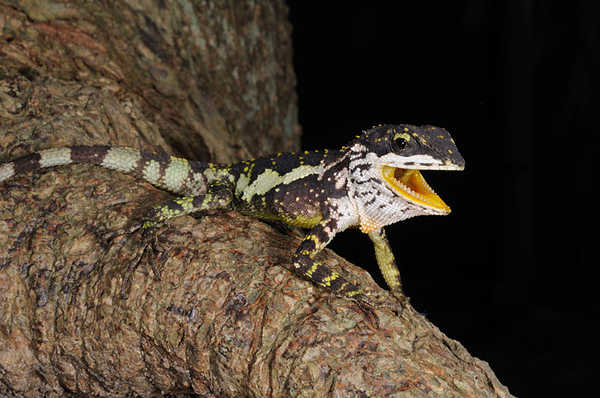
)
(387, 264)
(306, 265)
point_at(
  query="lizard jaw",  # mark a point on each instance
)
(410, 184)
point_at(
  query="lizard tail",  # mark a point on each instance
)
(180, 176)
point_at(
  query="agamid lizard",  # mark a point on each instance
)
(372, 182)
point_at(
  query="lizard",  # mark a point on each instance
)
(372, 182)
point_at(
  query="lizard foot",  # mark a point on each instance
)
(383, 300)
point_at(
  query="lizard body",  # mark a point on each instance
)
(371, 183)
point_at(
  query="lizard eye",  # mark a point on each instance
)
(400, 143)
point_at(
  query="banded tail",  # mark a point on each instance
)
(177, 175)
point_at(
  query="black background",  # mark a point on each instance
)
(511, 272)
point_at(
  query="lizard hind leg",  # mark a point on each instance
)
(218, 196)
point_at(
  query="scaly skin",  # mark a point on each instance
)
(371, 183)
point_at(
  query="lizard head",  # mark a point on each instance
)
(385, 164)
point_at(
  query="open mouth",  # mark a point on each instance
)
(411, 185)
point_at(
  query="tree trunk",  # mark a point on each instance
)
(214, 310)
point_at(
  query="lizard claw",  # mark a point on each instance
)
(383, 300)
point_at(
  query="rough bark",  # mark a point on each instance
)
(214, 310)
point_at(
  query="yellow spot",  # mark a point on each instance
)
(312, 270)
(354, 293)
(327, 281)
(314, 238)
(407, 137)
(186, 202)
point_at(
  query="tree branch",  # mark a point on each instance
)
(214, 309)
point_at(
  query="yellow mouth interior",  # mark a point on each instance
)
(410, 184)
